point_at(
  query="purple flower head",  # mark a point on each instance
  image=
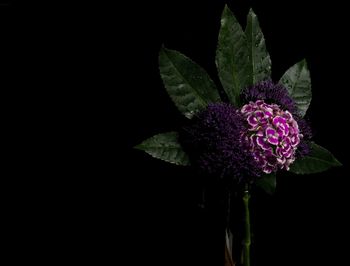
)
(305, 129)
(277, 94)
(272, 135)
(214, 142)
(271, 93)
(242, 143)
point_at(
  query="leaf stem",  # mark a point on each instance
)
(247, 237)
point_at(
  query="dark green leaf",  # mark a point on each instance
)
(166, 147)
(259, 59)
(267, 183)
(298, 83)
(232, 57)
(319, 160)
(188, 85)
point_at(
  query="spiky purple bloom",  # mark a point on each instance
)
(263, 136)
(271, 93)
(305, 129)
(272, 134)
(214, 143)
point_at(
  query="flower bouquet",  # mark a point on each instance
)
(246, 133)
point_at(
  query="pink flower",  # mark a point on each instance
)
(272, 136)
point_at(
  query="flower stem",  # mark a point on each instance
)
(247, 238)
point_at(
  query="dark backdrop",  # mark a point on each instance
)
(97, 67)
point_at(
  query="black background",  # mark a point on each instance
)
(91, 72)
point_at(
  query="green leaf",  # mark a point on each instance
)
(267, 183)
(188, 85)
(298, 83)
(166, 147)
(232, 57)
(319, 160)
(259, 58)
